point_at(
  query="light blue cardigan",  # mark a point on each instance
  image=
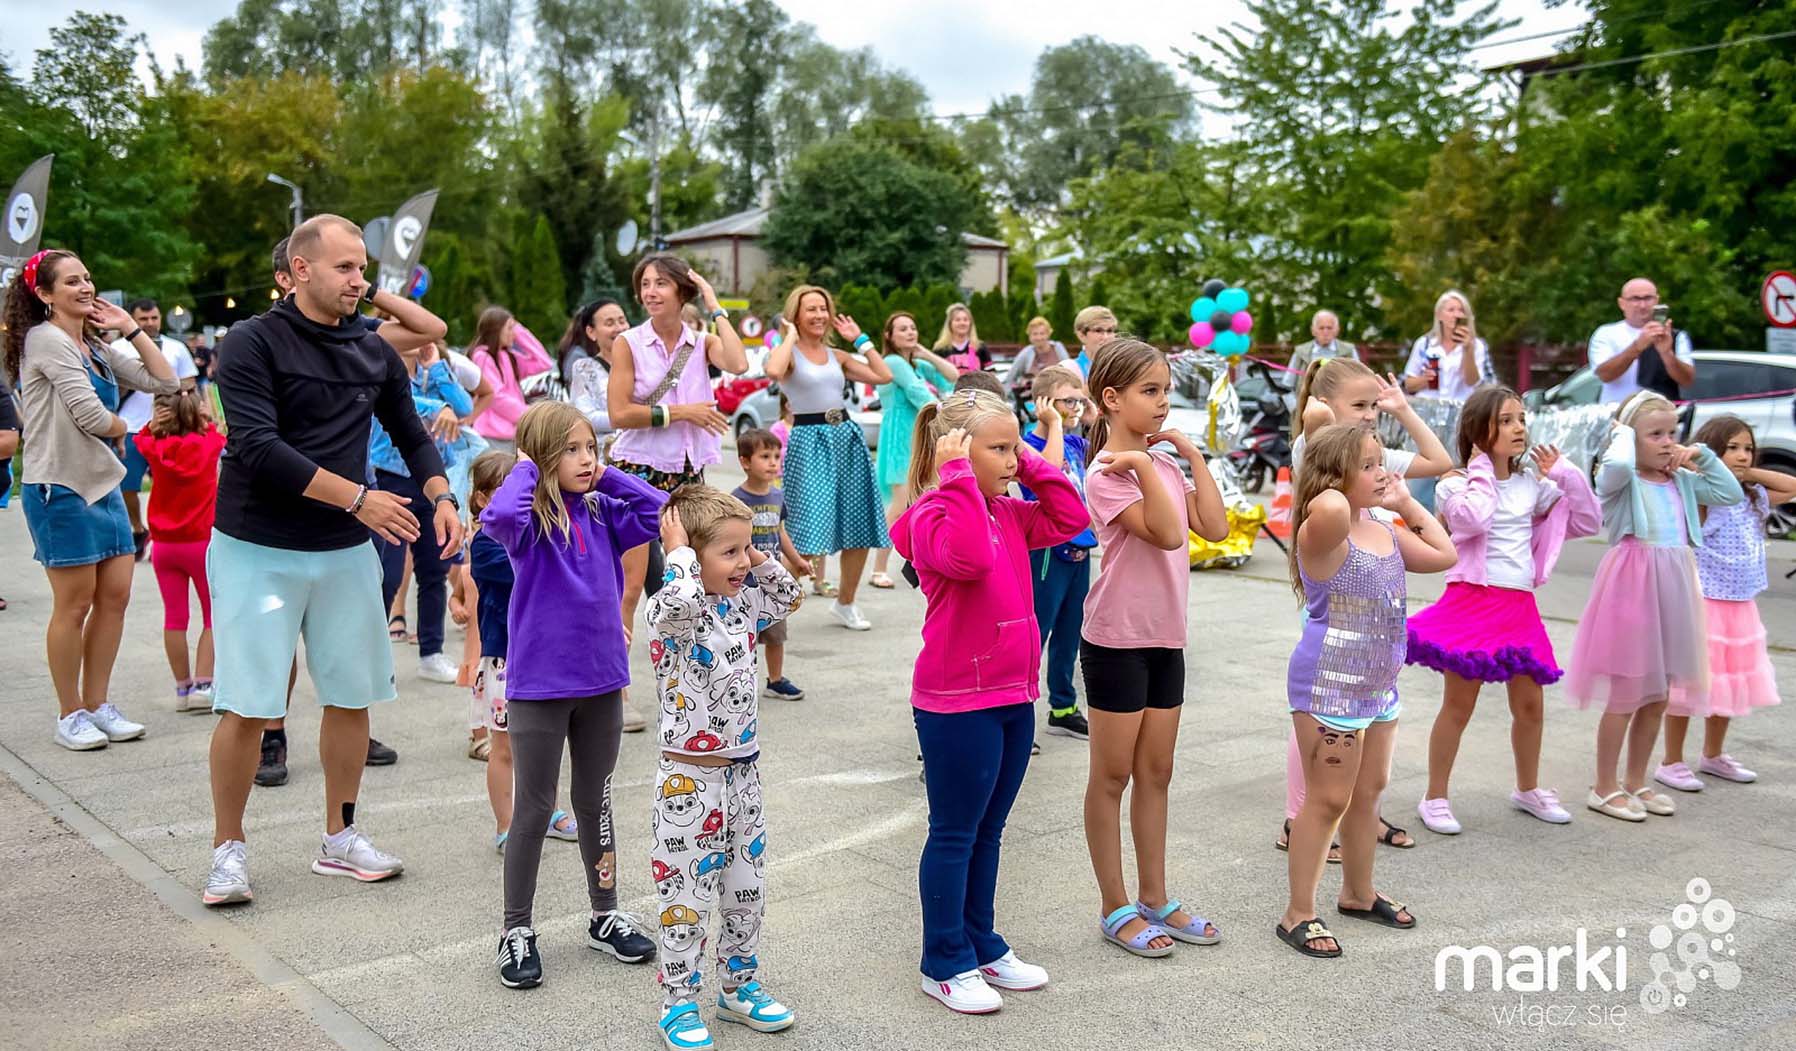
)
(1618, 487)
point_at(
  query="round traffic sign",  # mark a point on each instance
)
(750, 327)
(1778, 298)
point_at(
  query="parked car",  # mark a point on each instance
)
(762, 409)
(1756, 387)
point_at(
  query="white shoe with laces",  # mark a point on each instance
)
(76, 731)
(228, 882)
(114, 725)
(437, 668)
(349, 853)
(967, 992)
(850, 617)
(1008, 972)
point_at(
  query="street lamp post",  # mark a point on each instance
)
(299, 201)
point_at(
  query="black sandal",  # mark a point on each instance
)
(1334, 849)
(1303, 932)
(1389, 836)
(1383, 912)
(398, 633)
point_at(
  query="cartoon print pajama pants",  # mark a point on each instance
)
(709, 853)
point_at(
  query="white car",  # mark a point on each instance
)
(1753, 385)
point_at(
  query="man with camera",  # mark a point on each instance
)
(1642, 351)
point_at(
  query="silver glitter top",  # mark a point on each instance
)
(1353, 644)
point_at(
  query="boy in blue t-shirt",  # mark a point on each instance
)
(759, 452)
(1061, 574)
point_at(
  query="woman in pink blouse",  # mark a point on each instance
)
(507, 355)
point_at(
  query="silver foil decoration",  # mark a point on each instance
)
(1579, 431)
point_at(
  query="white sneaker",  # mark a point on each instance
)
(437, 668)
(114, 725)
(1727, 768)
(228, 882)
(196, 699)
(1438, 816)
(1678, 776)
(1008, 972)
(354, 856)
(76, 731)
(850, 618)
(966, 992)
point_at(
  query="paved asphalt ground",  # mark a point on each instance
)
(103, 942)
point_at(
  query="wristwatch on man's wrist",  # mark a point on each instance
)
(368, 296)
(440, 497)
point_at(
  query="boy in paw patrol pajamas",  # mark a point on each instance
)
(709, 830)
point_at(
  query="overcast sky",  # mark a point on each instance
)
(964, 53)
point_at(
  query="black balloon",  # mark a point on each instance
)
(1212, 288)
(1221, 320)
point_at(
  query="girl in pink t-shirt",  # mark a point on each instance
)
(1133, 641)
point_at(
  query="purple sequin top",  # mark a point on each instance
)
(1346, 663)
(1731, 560)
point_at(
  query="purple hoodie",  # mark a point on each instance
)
(566, 616)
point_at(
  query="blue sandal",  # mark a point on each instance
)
(572, 832)
(1139, 943)
(1192, 932)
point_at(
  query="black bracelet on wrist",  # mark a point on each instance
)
(361, 497)
(132, 337)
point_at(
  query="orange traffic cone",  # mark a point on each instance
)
(1278, 519)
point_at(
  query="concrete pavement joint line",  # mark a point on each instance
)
(350, 1032)
(195, 828)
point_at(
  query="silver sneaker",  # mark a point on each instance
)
(228, 882)
(850, 617)
(356, 857)
(197, 699)
(76, 731)
(114, 725)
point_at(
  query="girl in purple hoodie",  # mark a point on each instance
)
(978, 673)
(565, 520)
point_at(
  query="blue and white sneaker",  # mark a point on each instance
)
(782, 689)
(683, 1030)
(755, 1008)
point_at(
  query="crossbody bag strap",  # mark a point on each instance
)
(674, 371)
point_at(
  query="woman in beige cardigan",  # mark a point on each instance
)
(68, 381)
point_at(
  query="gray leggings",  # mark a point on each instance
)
(591, 727)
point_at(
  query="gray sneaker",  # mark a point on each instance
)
(356, 857)
(114, 725)
(76, 731)
(228, 882)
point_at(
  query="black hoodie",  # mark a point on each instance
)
(298, 396)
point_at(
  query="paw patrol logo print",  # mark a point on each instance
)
(1704, 955)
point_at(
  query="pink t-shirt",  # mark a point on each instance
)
(1139, 597)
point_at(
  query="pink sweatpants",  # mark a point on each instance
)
(176, 563)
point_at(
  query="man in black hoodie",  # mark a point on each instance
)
(291, 556)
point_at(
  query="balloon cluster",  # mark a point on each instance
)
(1220, 321)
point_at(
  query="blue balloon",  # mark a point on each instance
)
(1233, 300)
(1230, 344)
(1202, 309)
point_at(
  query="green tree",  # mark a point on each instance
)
(342, 40)
(1061, 308)
(1339, 106)
(538, 291)
(862, 213)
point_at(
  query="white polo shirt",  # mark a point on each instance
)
(1617, 336)
(138, 406)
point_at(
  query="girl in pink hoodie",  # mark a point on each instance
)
(1508, 525)
(507, 355)
(978, 673)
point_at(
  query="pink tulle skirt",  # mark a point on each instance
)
(1483, 633)
(1643, 634)
(1740, 673)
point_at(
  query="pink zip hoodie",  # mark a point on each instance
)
(500, 420)
(981, 647)
(1469, 503)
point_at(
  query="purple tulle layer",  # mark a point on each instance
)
(1506, 663)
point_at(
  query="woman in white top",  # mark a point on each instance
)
(1439, 365)
(832, 498)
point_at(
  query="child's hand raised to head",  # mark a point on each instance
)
(1397, 496)
(1390, 395)
(673, 531)
(1546, 457)
(1685, 457)
(1046, 414)
(957, 444)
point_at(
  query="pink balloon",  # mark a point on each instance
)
(1241, 322)
(1202, 334)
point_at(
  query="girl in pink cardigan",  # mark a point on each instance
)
(978, 674)
(507, 355)
(1508, 525)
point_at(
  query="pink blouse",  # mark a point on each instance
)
(505, 372)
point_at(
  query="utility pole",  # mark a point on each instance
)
(299, 201)
(655, 179)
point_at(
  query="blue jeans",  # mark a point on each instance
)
(428, 567)
(974, 764)
(1060, 589)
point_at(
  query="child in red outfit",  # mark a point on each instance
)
(182, 447)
